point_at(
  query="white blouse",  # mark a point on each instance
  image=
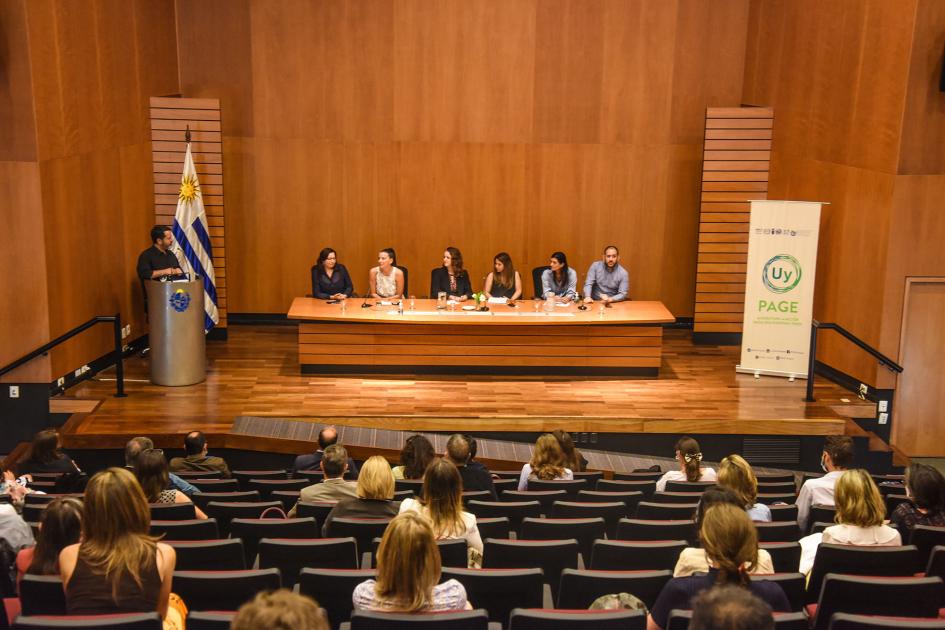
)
(677, 475)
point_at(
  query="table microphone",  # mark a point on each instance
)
(364, 304)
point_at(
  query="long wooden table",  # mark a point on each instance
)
(626, 338)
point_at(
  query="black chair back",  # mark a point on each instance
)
(579, 589)
(42, 595)
(332, 589)
(551, 556)
(850, 560)
(453, 620)
(223, 590)
(522, 619)
(785, 556)
(209, 555)
(195, 529)
(252, 530)
(500, 591)
(536, 280)
(291, 556)
(633, 555)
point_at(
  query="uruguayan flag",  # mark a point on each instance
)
(192, 239)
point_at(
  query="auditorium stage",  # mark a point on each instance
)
(256, 373)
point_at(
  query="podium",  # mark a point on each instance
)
(178, 342)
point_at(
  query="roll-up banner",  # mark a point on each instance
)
(779, 287)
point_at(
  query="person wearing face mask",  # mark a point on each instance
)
(836, 458)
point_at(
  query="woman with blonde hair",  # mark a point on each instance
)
(736, 474)
(375, 495)
(860, 513)
(689, 457)
(547, 462)
(442, 505)
(730, 541)
(573, 458)
(117, 567)
(408, 572)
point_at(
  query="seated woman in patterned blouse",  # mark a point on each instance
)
(154, 477)
(408, 572)
(925, 487)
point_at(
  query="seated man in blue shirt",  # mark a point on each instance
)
(607, 280)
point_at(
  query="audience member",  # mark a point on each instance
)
(573, 458)
(731, 547)
(13, 529)
(442, 504)
(375, 494)
(736, 474)
(280, 610)
(860, 514)
(547, 462)
(836, 458)
(152, 474)
(195, 445)
(45, 455)
(117, 567)
(310, 461)
(925, 488)
(474, 477)
(59, 526)
(473, 450)
(333, 487)
(13, 488)
(730, 608)
(693, 559)
(136, 445)
(689, 456)
(408, 572)
(415, 456)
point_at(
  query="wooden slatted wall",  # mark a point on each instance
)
(169, 119)
(734, 170)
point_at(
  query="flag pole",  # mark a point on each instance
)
(187, 135)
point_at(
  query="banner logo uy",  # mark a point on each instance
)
(781, 274)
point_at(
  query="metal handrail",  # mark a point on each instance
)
(116, 353)
(815, 325)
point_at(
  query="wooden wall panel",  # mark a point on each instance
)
(528, 126)
(170, 118)
(93, 68)
(735, 170)
(923, 125)
(17, 126)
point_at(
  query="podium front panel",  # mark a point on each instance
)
(178, 342)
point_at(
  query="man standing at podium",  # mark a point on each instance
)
(159, 261)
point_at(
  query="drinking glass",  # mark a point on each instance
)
(441, 300)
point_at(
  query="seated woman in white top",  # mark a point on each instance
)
(408, 572)
(689, 457)
(693, 559)
(559, 281)
(386, 280)
(547, 462)
(860, 514)
(442, 505)
(736, 475)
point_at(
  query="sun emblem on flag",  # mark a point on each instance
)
(189, 188)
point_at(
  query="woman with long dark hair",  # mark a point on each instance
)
(689, 457)
(59, 526)
(730, 541)
(415, 456)
(560, 280)
(925, 488)
(330, 279)
(503, 281)
(451, 278)
(154, 477)
(45, 455)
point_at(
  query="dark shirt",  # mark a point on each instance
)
(90, 593)
(62, 465)
(153, 259)
(906, 516)
(678, 593)
(324, 287)
(312, 461)
(361, 508)
(477, 478)
(440, 281)
(199, 463)
(500, 290)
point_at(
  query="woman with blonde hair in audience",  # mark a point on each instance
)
(154, 477)
(730, 541)
(694, 559)
(860, 514)
(547, 462)
(375, 495)
(118, 567)
(408, 572)
(442, 505)
(736, 474)
(689, 457)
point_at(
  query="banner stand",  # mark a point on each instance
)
(779, 288)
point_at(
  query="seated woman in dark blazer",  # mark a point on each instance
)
(330, 279)
(451, 277)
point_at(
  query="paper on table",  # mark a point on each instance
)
(498, 300)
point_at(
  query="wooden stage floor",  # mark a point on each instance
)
(256, 373)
